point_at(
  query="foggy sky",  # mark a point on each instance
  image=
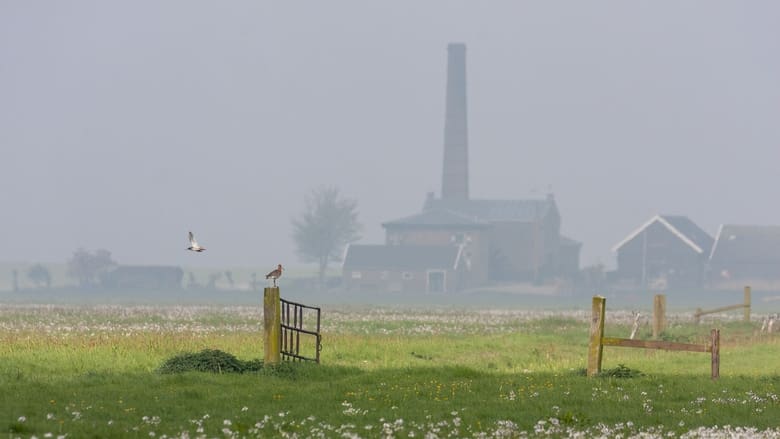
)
(125, 124)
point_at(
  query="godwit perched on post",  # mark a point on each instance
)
(276, 274)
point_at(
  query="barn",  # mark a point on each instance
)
(665, 251)
(745, 255)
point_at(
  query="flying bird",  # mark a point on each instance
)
(194, 246)
(276, 274)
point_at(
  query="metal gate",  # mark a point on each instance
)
(298, 320)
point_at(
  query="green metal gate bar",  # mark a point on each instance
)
(293, 318)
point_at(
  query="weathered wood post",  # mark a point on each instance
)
(595, 348)
(747, 303)
(636, 326)
(697, 315)
(659, 315)
(272, 315)
(715, 346)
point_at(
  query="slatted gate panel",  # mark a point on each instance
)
(300, 321)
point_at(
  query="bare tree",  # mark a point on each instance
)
(328, 223)
(39, 275)
(87, 267)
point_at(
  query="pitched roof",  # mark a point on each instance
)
(681, 227)
(496, 210)
(436, 218)
(747, 244)
(400, 257)
(691, 230)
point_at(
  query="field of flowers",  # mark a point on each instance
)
(92, 371)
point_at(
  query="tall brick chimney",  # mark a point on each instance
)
(455, 175)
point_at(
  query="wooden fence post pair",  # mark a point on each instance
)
(598, 341)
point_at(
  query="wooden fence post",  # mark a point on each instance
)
(747, 303)
(659, 315)
(636, 325)
(272, 331)
(715, 336)
(595, 348)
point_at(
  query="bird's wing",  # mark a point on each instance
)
(192, 240)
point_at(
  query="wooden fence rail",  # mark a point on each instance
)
(745, 305)
(598, 341)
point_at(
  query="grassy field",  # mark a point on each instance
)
(92, 371)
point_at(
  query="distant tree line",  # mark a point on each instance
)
(87, 267)
(39, 276)
(327, 224)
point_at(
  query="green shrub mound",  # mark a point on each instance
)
(209, 360)
(621, 371)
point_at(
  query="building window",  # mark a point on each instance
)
(384, 275)
(436, 281)
(357, 275)
(407, 275)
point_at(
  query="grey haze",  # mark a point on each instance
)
(125, 124)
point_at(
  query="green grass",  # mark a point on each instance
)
(93, 372)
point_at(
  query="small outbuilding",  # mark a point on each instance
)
(404, 268)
